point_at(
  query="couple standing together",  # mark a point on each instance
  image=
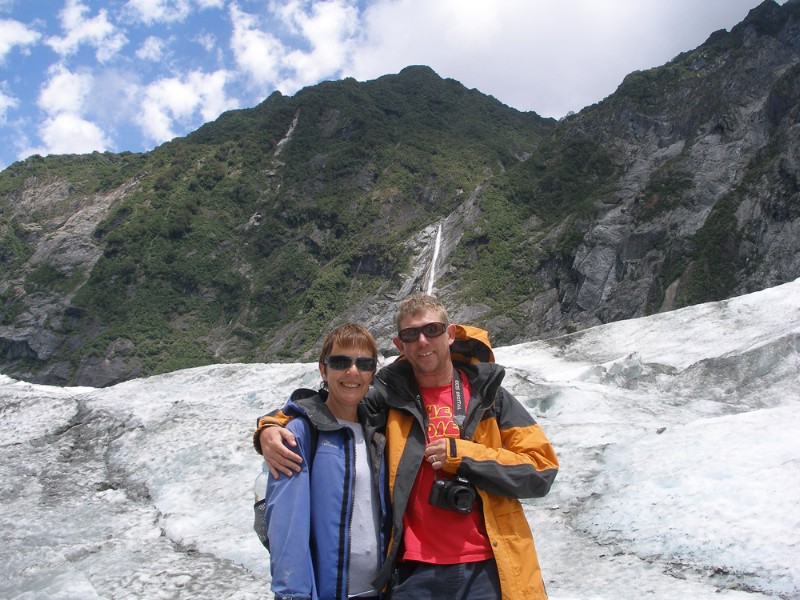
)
(404, 483)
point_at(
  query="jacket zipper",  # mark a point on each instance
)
(352, 445)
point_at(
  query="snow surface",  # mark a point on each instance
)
(677, 436)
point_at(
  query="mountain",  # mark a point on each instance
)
(676, 433)
(249, 238)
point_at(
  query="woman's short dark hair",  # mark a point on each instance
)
(349, 335)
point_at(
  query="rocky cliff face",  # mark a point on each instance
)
(60, 229)
(707, 154)
(697, 198)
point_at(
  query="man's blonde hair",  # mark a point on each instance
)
(420, 303)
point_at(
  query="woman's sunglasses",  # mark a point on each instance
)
(342, 362)
(431, 330)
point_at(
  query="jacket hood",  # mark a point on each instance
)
(311, 405)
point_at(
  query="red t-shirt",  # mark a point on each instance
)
(437, 535)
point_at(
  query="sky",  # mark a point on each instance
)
(78, 76)
(676, 436)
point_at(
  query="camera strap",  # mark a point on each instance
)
(459, 402)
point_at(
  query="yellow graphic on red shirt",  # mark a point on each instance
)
(440, 422)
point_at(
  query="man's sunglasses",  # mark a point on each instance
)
(431, 330)
(342, 362)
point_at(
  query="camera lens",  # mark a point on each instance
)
(461, 498)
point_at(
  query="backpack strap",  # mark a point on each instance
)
(313, 439)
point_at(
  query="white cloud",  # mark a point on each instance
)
(13, 33)
(97, 32)
(210, 3)
(207, 41)
(68, 133)
(167, 11)
(116, 95)
(322, 34)
(171, 100)
(6, 103)
(257, 53)
(152, 11)
(492, 46)
(64, 98)
(151, 49)
(549, 56)
(213, 99)
(329, 29)
(65, 91)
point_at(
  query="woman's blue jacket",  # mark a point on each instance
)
(308, 515)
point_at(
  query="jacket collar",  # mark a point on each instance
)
(311, 404)
(397, 384)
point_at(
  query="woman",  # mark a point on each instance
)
(324, 524)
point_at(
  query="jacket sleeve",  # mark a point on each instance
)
(288, 525)
(275, 418)
(508, 454)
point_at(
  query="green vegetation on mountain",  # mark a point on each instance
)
(231, 228)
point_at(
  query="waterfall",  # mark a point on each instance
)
(432, 272)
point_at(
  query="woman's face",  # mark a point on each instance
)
(346, 388)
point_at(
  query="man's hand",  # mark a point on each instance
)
(436, 453)
(278, 457)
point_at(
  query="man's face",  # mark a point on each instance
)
(429, 357)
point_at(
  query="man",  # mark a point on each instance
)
(469, 538)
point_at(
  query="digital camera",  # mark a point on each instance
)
(456, 494)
